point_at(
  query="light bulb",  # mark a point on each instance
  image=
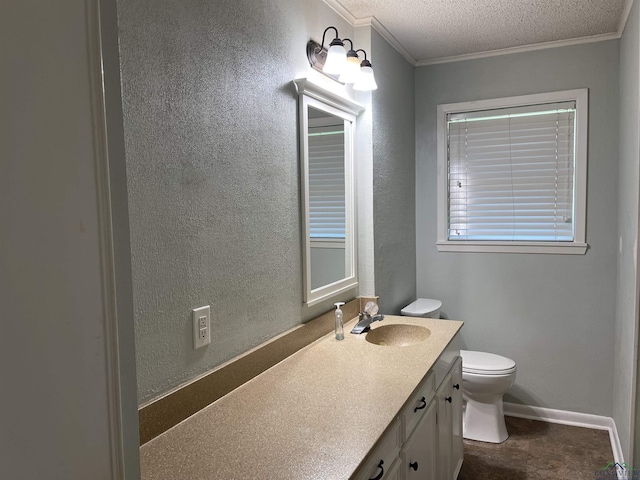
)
(336, 58)
(366, 82)
(351, 72)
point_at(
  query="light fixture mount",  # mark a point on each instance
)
(317, 56)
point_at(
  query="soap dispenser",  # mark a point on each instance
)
(339, 323)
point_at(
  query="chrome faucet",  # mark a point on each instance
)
(365, 321)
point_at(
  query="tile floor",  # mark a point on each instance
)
(538, 450)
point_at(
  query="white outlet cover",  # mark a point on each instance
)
(201, 319)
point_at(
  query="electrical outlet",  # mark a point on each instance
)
(201, 326)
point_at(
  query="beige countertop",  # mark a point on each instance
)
(315, 415)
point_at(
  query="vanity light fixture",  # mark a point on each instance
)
(366, 81)
(341, 65)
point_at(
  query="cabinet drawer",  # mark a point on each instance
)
(386, 451)
(447, 359)
(417, 405)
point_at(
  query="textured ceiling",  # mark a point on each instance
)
(435, 29)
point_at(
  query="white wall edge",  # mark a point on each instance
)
(625, 17)
(565, 417)
(106, 242)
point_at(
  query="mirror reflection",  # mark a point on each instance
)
(327, 228)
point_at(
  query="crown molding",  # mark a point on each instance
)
(374, 23)
(340, 10)
(521, 49)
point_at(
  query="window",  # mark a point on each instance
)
(512, 174)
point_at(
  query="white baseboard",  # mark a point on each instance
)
(569, 418)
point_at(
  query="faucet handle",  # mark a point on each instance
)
(371, 308)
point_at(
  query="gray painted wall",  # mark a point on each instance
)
(627, 301)
(210, 115)
(54, 407)
(393, 177)
(553, 314)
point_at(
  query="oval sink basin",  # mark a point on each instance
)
(399, 335)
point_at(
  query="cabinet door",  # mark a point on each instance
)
(456, 412)
(418, 455)
(444, 419)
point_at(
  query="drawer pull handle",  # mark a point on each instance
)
(414, 465)
(448, 399)
(379, 476)
(457, 386)
(424, 404)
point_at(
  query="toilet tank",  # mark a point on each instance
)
(423, 307)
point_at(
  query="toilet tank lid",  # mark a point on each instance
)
(479, 362)
(421, 307)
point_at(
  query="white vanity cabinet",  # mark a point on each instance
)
(425, 441)
(449, 423)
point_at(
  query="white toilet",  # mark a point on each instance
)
(485, 379)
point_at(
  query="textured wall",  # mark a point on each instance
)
(553, 314)
(212, 163)
(393, 178)
(627, 300)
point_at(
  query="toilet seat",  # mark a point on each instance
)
(483, 363)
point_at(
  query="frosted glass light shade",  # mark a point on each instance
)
(351, 72)
(336, 60)
(366, 82)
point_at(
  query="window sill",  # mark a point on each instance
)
(554, 248)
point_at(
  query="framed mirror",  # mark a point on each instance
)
(327, 124)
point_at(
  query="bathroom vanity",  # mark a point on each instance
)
(333, 410)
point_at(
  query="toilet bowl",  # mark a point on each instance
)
(486, 377)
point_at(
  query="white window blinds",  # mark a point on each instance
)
(326, 182)
(511, 173)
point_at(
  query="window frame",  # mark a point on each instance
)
(578, 246)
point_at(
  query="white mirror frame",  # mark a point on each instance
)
(315, 96)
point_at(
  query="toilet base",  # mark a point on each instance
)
(483, 419)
